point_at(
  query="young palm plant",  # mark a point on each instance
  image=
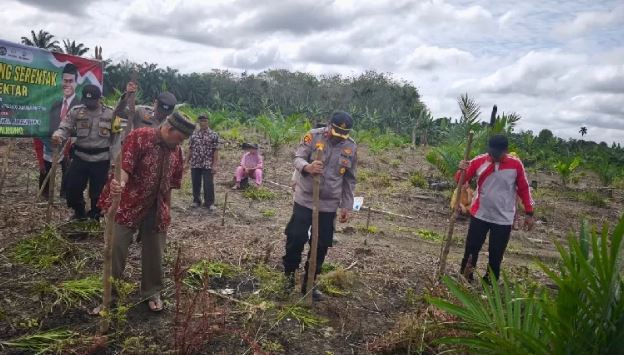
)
(585, 315)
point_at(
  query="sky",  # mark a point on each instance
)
(559, 64)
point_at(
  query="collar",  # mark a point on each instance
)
(69, 99)
(490, 159)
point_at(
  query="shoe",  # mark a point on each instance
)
(290, 282)
(94, 215)
(78, 216)
(195, 205)
(210, 208)
(316, 294)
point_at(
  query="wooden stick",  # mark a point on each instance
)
(28, 182)
(368, 217)
(316, 189)
(224, 208)
(5, 164)
(47, 177)
(446, 246)
(52, 173)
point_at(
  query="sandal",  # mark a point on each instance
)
(155, 304)
(97, 311)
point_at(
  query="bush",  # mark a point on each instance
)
(417, 179)
(585, 315)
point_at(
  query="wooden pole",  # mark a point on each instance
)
(368, 217)
(47, 177)
(446, 246)
(5, 164)
(27, 182)
(108, 252)
(52, 174)
(224, 209)
(316, 189)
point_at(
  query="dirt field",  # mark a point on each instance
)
(391, 262)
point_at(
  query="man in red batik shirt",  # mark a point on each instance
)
(151, 165)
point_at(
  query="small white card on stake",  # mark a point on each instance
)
(357, 203)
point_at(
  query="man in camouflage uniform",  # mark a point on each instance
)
(91, 122)
(150, 116)
(337, 169)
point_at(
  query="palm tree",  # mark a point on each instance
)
(74, 48)
(583, 131)
(43, 39)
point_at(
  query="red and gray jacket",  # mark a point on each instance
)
(498, 184)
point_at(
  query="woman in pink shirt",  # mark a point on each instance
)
(250, 166)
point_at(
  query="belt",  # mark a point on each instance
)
(91, 151)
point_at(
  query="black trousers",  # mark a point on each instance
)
(79, 174)
(499, 237)
(199, 176)
(42, 176)
(297, 236)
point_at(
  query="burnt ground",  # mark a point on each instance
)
(391, 263)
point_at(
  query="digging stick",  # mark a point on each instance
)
(224, 209)
(446, 246)
(316, 189)
(52, 174)
(47, 177)
(368, 217)
(5, 164)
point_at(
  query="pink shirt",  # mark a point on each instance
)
(252, 160)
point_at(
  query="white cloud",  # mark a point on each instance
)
(586, 22)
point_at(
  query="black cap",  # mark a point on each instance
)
(341, 123)
(166, 102)
(202, 117)
(497, 145)
(181, 123)
(250, 146)
(90, 94)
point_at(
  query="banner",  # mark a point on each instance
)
(37, 86)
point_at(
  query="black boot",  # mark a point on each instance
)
(317, 295)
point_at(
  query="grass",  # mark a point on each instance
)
(272, 347)
(417, 179)
(429, 235)
(594, 199)
(198, 271)
(258, 193)
(43, 250)
(381, 180)
(72, 293)
(372, 229)
(327, 267)
(51, 341)
(337, 283)
(271, 281)
(268, 213)
(302, 315)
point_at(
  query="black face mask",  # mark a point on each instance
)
(91, 105)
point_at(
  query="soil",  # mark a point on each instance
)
(390, 260)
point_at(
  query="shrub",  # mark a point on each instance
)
(417, 179)
(258, 193)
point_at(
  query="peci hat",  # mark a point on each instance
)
(181, 123)
(497, 145)
(166, 102)
(250, 146)
(341, 124)
(90, 94)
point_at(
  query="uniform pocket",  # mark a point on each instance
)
(344, 165)
(104, 128)
(83, 126)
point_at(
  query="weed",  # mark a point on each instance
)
(370, 230)
(232, 135)
(417, 179)
(51, 341)
(43, 250)
(140, 345)
(594, 199)
(119, 314)
(327, 267)
(73, 292)
(272, 346)
(271, 282)
(258, 193)
(363, 175)
(302, 315)
(381, 180)
(337, 282)
(410, 297)
(395, 163)
(204, 268)
(268, 213)
(430, 235)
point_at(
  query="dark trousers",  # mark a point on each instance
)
(199, 176)
(79, 174)
(297, 235)
(43, 174)
(499, 237)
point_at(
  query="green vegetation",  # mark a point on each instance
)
(50, 341)
(417, 179)
(337, 283)
(258, 193)
(303, 315)
(280, 130)
(205, 268)
(585, 315)
(565, 168)
(268, 213)
(271, 281)
(431, 236)
(328, 266)
(72, 293)
(43, 250)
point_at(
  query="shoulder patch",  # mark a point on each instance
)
(307, 139)
(347, 151)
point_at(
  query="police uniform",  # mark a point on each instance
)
(91, 161)
(336, 191)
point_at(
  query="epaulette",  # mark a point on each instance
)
(108, 107)
(352, 140)
(79, 106)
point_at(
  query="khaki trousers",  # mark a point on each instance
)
(152, 250)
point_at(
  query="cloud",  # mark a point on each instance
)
(432, 57)
(70, 7)
(253, 58)
(586, 22)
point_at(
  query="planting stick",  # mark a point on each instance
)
(52, 174)
(316, 189)
(446, 246)
(224, 208)
(47, 177)
(368, 216)
(5, 164)
(27, 182)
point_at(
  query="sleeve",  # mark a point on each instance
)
(38, 146)
(191, 146)
(470, 172)
(303, 153)
(178, 171)
(348, 185)
(130, 152)
(68, 125)
(105, 200)
(260, 161)
(216, 142)
(242, 162)
(523, 189)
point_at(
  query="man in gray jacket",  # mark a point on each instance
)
(337, 169)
